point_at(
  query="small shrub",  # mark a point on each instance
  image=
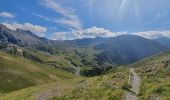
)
(159, 90)
(126, 86)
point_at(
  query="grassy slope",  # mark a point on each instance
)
(105, 87)
(67, 59)
(18, 73)
(155, 73)
(32, 93)
(25, 79)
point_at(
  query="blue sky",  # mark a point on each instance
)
(70, 19)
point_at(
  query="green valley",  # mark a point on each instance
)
(125, 67)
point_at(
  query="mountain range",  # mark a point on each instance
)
(33, 67)
(105, 52)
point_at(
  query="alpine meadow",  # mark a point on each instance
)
(85, 50)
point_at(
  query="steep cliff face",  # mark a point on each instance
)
(5, 35)
(19, 36)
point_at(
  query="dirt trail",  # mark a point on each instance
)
(46, 95)
(78, 69)
(135, 83)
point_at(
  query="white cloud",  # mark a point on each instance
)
(101, 32)
(153, 34)
(87, 33)
(6, 15)
(72, 23)
(69, 16)
(37, 29)
(97, 32)
(42, 17)
(63, 36)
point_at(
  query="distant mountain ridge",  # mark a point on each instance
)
(163, 40)
(127, 49)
